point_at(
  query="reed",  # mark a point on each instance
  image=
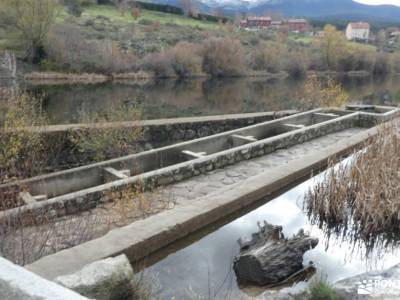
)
(360, 201)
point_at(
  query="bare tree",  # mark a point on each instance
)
(32, 19)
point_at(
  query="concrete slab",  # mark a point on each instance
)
(16, 283)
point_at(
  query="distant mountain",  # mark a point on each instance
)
(315, 9)
(331, 9)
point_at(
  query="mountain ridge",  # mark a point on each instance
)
(315, 9)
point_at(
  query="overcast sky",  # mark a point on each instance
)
(395, 2)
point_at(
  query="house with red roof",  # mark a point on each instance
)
(358, 31)
(256, 22)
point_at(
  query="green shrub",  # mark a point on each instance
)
(321, 290)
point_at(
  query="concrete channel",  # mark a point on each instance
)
(144, 237)
(79, 189)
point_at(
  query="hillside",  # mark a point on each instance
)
(105, 40)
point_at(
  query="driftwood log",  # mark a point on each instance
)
(271, 259)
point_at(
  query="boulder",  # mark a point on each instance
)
(271, 259)
(108, 279)
(383, 285)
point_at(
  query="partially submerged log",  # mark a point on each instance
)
(269, 258)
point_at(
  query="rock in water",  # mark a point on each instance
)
(107, 279)
(269, 258)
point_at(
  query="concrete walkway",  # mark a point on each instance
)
(218, 179)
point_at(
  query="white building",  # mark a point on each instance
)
(358, 31)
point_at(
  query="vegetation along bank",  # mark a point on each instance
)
(139, 41)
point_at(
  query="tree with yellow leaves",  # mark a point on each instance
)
(333, 46)
(319, 94)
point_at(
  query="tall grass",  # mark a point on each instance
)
(360, 201)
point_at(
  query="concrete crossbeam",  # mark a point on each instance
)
(327, 115)
(294, 126)
(193, 155)
(29, 199)
(111, 174)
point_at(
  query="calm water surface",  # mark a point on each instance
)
(169, 98)
(205, 267)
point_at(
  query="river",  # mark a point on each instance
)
(204, 267)
(170, 98)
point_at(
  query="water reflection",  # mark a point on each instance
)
(205, 267)
(170, 98)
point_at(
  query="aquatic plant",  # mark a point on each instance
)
(360, 201)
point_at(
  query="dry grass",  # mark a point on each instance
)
(360, 201)
(62, 78)
(33, 236)
(45, 235)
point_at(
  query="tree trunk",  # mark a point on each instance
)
(269, 258)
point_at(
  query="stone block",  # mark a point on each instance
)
(17, 283)
(108, 279)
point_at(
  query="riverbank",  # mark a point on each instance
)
(59, 78)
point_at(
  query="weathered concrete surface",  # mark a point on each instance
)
(88, 180)
(106, 216)
(224, 121)
(16, 283)
(108, 279)
(154, 134)
(225, 192)
(221, 178)
(383, 285)
(63, 182)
